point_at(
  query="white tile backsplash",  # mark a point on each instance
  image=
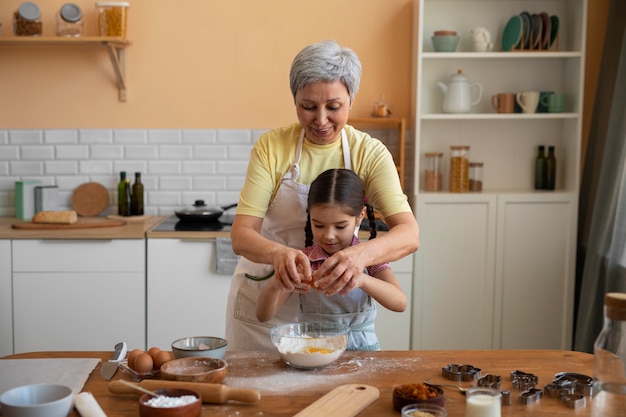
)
(178, 166)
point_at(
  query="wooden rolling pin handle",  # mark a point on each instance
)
(210, 393)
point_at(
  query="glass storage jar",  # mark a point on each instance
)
(112, 18)
(70, 20)
(459, 169)
(433, 172)
(27, 20)
(475, 176)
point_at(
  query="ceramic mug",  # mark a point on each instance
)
(554, 102)
(542, 107)
(528, 101)
(503, 102)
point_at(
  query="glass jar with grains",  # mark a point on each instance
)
(433, 172)
(27, 20)
(475, 176)
(112, 18)
(70, 20)
(459, 169)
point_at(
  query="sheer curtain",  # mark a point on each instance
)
(601, 258)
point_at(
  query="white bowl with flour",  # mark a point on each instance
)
(310, 345)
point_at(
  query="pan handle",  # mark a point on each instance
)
(229, 206)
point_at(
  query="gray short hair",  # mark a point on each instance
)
(326, 61)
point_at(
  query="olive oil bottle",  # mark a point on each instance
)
(123, 195)
(136, 204)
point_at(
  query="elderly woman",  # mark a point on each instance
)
(268, 230)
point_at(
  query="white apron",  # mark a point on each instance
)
(283, 223)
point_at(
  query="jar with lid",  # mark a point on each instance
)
(459, 169)
(70, 20)
(433, 172)
(609, 360)
(475, 176)
(27, 20)
(112, 18)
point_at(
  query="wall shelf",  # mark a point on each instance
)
(116, 48)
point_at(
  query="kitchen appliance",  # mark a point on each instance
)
(200, 212)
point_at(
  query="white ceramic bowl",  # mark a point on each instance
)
(310, 345)
(207, 346)
(38, 400)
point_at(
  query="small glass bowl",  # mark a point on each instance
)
(423, 410)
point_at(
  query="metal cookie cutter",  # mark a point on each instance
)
(558, 390)
(523, 381)
(582, 384)
(490, 381)
(506, 397)
(574, 400)
(530, 396)
(460, 372)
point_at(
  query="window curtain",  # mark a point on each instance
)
(601, 257)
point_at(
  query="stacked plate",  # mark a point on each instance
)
(526, 31)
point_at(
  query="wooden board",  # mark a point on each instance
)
(90, 199)
(82, 223)
(129, 219)
(344, 401)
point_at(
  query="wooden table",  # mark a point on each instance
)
(286, 391)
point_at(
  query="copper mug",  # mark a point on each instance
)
(503, 102)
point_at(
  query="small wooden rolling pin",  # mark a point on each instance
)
(210, 393)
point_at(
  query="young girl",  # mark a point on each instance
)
(336, 207)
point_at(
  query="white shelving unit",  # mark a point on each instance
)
(509, 251)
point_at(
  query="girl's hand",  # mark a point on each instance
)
(292, 270)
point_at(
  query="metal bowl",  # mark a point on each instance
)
(38, 400)
(207, 346)
(310, 345)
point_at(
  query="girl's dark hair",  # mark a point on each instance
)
(341, 187)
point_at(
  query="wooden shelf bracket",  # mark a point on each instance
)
(117, 55)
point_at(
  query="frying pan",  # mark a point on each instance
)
(200, 212)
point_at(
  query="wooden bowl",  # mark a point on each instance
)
(406, 394)
(198, 369)
(193, 409)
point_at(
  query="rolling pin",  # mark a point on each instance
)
(210, 393)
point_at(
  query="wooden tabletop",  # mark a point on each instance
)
(285, 391)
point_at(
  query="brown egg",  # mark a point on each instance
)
(162, 357)
(153, 351)
(143, 363)
(132, 355)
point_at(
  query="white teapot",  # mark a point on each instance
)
(458, 94)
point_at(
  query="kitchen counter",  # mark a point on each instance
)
(285, 391)
(131, 230)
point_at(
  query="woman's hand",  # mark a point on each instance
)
(340, 273)
(292, 270)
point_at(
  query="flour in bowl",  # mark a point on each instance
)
(311, 352)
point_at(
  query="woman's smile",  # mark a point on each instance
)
(323, 109)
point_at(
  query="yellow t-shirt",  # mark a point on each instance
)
(274, 152)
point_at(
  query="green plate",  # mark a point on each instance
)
(554, 28)
(512, 33)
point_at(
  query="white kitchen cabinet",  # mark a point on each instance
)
(185, 295)
(491, 246)
(6, 304)
(392, 328)
(78, 294)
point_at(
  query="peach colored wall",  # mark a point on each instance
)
(200, 64)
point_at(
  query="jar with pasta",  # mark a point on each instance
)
(112, 18)
(433, 172)
(27, 20)
(459, 169)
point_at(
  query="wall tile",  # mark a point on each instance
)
(72, 152)
(107, 151)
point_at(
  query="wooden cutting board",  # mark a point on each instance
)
(81, 223)
(344, 401)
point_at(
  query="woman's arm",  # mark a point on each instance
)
(291, 266)
(337, 274)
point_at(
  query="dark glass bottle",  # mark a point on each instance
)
(550, 169)
(136, 202)
(123, 195)
(540, 169)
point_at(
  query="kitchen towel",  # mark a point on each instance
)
(226, 259)
(72, 372)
